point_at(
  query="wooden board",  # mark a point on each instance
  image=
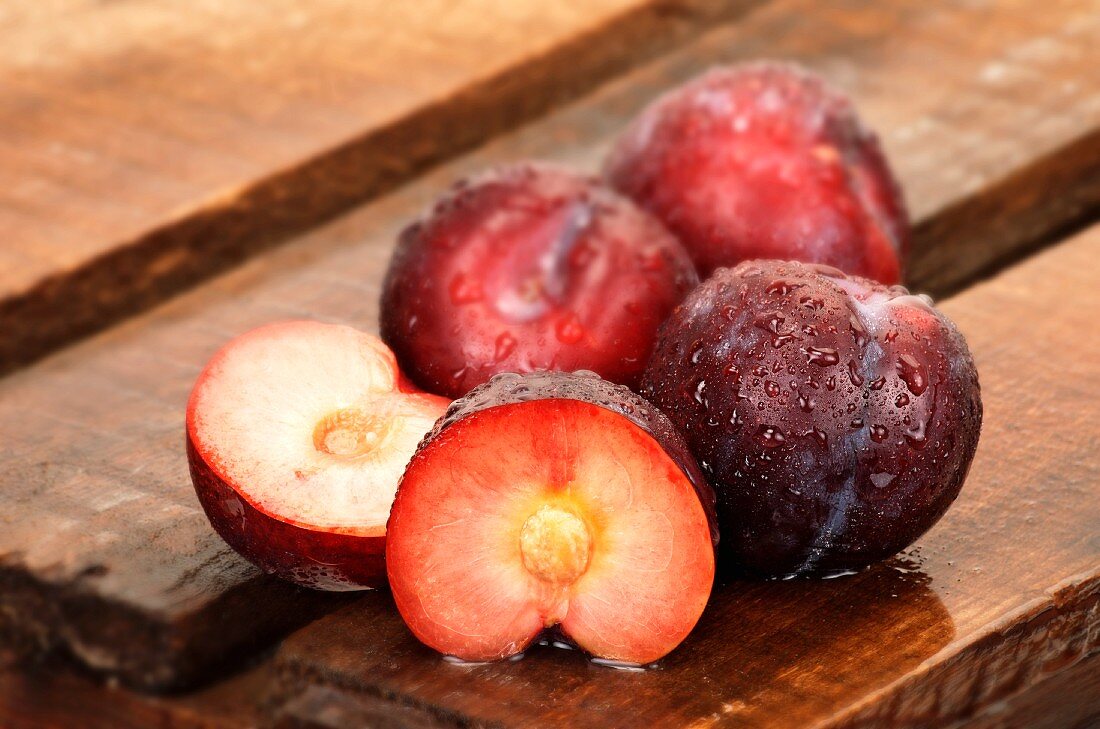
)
(1003, 593)
(144, 145)
(103, 537)
(53, 696)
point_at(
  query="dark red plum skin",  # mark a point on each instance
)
(510, 388)
(530, 267)
(764, 160)
(311, 558)
(836, 418)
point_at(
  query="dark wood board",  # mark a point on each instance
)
(1001, 595)
(103, 536)
(56, 697)
(145, 145)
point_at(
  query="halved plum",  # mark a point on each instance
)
(552, 499)
(297, 434)
(527, 267)
(765, 160)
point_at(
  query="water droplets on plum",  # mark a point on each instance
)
(913, 374)
(770, 436)
(821, 356)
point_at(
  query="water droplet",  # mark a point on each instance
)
(882, 480)
(820, 436)
(781, 287)
(760, 370)
(917, 437)
(465, 289)
(877, 384)
(821, 356)
(879, 433)
(772, 388)
(856, 423)
(735, 420)
(697, 351)
(806, 403)
(700, 390)
(830, 384)
(504, 346)
(853, 373)
(770, 436)
(901, 400)
(858, 331)
(913, 374)
(568, 329)
(811, 302)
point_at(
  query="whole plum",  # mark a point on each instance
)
(528, 267)
(836, 418)
(764, 160)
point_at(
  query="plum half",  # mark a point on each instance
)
(530, 267)
(297, 434)
(552, 499)
(764, 160)
(835, 417)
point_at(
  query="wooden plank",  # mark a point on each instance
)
(103, 534)
(52, 696)
(145, 145)
(1003, 593)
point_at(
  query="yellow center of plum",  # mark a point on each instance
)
(555, 544)
(347, 433)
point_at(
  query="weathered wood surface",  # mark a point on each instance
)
(1001, 595)
(144, 145)
(103, 537)
(56, 697)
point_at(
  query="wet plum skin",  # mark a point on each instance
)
(836, 418)
(530, 267)
(764, 160)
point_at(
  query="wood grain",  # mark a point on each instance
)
(145, 145)
(103, 536)
(53, 697)
(1001, 595)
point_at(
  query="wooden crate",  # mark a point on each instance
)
(108, 568)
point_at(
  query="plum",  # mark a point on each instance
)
(297, 433)
(529, 267)
(835, 417)
(764, 160)
(552, 499)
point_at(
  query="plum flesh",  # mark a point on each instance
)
(530, 267)
(765, 161)
(552, 499)
(297, 434)
(835, 417)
